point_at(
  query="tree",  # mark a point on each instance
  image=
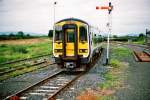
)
(20, 34)
(28, 35)
(141, 35)
(50, 34)
(115, 36)
(11, 36)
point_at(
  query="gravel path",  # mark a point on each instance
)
(137, 84)
(90, 80)
(13, 85)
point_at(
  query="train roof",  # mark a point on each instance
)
(72, 19)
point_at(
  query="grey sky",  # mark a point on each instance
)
(129, 16)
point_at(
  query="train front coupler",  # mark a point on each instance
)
(70, 65)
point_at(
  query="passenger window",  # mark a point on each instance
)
(83, 34)
(58, 35)
(70, 35)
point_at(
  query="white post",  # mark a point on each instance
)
(107, 56)
(109, 25)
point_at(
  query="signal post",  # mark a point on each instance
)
(109, 25)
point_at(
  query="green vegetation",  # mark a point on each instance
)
(121, 38)
(97, 39)
(135, 39)
(118, 53)
(115, 63)
(109, 81)
(18, 35)
(139, 42)
(13, 52)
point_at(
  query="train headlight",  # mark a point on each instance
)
(83, 50)
(58, 50)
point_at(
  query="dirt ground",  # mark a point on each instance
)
(24, 41)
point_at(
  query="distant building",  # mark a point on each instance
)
(147, 37)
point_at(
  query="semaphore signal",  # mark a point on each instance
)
(109, 8)
(109, 24)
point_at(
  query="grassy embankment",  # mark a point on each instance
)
(115, 76)
(10, 51)
(24, 50)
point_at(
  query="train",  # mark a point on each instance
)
(73, 46)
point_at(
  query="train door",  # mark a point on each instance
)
(70, 47)
(70, 42)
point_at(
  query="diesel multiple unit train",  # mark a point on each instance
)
(72, 44)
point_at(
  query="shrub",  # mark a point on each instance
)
(19, 49)
(3, 45)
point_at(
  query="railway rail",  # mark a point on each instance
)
(143, 46)
(21, 64)
(142, 56)
(50, 87)
(18, 67)
(25, 59)
(45, 63)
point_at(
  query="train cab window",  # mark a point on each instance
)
(58, 35)
(83, 34)
(70, 35)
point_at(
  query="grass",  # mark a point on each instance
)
(139, 42)
(118, 53)
(115, 63)
(109, 76)
(10, 52)
(114, 76)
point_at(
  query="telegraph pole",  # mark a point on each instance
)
(109, 25)
(54, 18)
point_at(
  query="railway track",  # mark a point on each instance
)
(142, 56)
(21, 64)
(18, 67)
(22, 60)
(51, 86)
(21, 67)
(143, 46)
(48, 88)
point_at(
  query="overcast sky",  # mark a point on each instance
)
(128, 16)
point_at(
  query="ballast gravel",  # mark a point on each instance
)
(91, 80)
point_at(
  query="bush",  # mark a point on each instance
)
(3, 45)
(19, 49)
